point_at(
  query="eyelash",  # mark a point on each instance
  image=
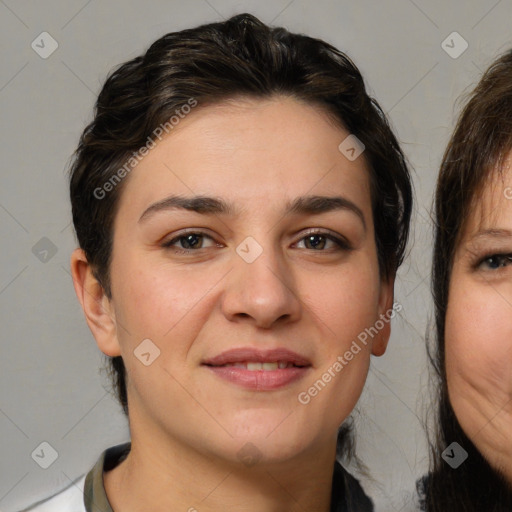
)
(501, 257)
(342, 244)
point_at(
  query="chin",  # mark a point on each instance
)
(278, 446)
(266, 423)
(266, 451)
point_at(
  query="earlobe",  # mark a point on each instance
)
(97, 307)
(383, 324)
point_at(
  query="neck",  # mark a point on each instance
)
(161, 475)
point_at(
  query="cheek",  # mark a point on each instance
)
(344, 308)
(156, 301)
(478, 339)
(345, 299)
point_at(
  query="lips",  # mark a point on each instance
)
(257, 369)
(250, 357)
(255, 366)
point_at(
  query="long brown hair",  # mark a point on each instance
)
(481, 141)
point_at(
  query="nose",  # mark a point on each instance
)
(261, 293)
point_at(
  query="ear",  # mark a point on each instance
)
(98, 308)
(380, 342)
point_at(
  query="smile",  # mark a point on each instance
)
(259, 370)
(255, 366)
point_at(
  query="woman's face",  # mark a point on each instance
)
(479, 326)
(247, 301)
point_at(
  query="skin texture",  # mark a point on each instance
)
(187, 425)
(479, 326)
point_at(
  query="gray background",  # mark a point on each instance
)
(51, 387)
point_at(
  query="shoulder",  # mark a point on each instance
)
(70, 499)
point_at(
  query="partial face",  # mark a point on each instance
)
(249, 300)
(479, 327)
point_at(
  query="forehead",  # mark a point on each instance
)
(253, 151)
(492, 204)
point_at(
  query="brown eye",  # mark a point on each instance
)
(319, 241)
(315, 241)
(188, 241)
(192, 241)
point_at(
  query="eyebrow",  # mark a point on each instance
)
(491, 234)
(312, 205)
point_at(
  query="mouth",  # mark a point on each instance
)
(259, 370)
(256, 365)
